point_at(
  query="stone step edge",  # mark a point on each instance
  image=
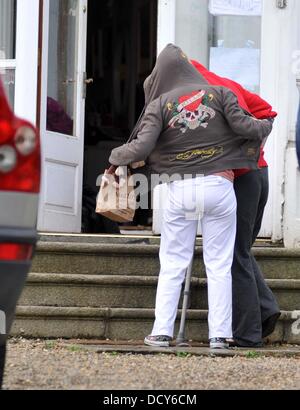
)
(122, 280)
(202, 351)
(32, 312)
(140, 249)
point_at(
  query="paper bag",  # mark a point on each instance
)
(116, 199)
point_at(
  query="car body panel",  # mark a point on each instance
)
(19, 189)
(18, 209)
(19, 205)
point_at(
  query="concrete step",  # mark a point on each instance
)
(100, 258)
(121, 324)
(116, 291)
(117, 278)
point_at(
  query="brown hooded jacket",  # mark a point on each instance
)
(190, 127)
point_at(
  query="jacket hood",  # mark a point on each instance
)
(173, 69)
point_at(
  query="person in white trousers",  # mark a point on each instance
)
(217, 215)
(200, 133)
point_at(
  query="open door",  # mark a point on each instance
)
(62, 114)
(121, 53)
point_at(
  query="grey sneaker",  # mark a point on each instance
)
(158, 341)
(218, 343)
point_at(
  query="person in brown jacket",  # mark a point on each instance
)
(200, 134)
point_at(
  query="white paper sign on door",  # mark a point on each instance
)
(239, 64)
(235, 7)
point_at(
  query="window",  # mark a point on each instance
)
(62, 76)
(8, 46)
(225, 36)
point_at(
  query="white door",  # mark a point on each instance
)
(236, 40)
(62, 114)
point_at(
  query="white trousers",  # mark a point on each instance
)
(216, 207)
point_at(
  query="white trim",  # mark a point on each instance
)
(290, 102)
(27, 37)
(270, 62)
(166, 32)
(8, 63)
(284, 97)
(81, 66)
(44, 66)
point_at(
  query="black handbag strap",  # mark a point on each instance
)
(135, 129)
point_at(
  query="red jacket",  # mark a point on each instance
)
(250, 102)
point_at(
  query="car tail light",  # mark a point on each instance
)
(25, 140)
(15, 252)
(19, 158)
(20, 166)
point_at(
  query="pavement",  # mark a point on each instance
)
(131, 366)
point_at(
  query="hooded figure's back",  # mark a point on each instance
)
(172, 70)
(190, 127)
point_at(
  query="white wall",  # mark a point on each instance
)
(192, 28)
(27, 59)
(165, 32)
(291, 206)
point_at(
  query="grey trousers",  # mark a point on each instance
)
(12, 280)
(253, 301)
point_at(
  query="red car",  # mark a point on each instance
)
(20, 173)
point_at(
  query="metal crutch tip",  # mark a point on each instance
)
(182, 343)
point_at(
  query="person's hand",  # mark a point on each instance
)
(136, 165)
(111, 170)
(105, 179)
(120, 177)
(271, 121)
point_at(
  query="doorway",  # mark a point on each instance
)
(121, 53)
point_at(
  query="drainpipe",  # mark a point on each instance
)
(298, 126)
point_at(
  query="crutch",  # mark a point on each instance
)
(181, 340)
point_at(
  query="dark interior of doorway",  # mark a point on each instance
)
(121, 53)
